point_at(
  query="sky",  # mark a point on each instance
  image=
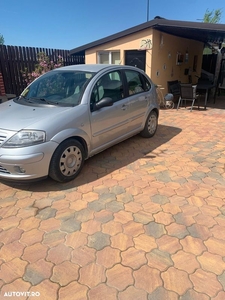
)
(73, 23)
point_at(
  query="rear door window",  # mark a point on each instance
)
(135, 82)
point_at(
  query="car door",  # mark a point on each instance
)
(139, 97)
(109, 124)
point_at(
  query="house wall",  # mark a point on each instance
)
(161, 60)
(130, 42)
(165, 52)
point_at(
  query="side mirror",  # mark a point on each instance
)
(103, 103)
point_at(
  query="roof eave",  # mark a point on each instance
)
(155, 23)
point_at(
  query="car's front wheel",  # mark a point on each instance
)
(67, 161)
(150, 125)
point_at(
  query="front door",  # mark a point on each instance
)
(136, 58)
(109, 123)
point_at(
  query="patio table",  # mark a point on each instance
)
(205, 86)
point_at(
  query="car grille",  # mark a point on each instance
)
(3, 137)
(3, 170)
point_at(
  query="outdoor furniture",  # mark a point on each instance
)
(205, 86)
(221, 86)
(174, 88)
(187, 93)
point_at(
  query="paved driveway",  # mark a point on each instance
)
(144, 220)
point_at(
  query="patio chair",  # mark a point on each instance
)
(174, 88)
(187, 93)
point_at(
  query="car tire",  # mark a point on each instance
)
(151, 125)
(67, 161)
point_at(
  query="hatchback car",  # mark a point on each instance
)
(71, 113)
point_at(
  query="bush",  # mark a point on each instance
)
(44, 65)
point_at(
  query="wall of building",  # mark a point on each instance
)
(166, 49)
(130, 42)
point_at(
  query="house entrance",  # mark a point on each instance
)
(136, 58)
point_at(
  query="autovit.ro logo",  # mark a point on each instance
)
(21, 294)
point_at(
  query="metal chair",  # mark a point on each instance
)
(187, 93)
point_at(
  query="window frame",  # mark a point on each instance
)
(143, 80)
(109, 55)
(96, 87)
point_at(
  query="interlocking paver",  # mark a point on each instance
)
(193, 245)
(12, 270)
(145, 219)
(98, 240)
(169, 244)
(112, 228)
(132, 293)
(58, 254)
(150, 281)
(163, 218)
(83, 255)
(35, 252)
(193, 295)
(65, 272)
(205, 282)
(76, 239)
(32, 236)
(102, 292)
(122, 241)
(11, 251)
(145, 242)
(119, 277)
(219, 296)
(11, 235)
(212, 263)
(91, 275)
(159, 259)
(38, 271)
(177, 230)
(133, 229)
(185, 261)
(161, 293)
(46, 289)
(108, 257)
(176, 280)
(155, 229)
(133, 258)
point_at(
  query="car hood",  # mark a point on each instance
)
(15, 116)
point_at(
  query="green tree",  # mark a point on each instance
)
(213, 16)
(1, 39)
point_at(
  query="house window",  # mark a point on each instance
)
(109, 57)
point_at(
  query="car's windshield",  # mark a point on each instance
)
(58, 88)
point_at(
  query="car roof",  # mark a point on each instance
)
(87, 67)
(93, 67)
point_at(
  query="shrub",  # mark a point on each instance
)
(44, 65)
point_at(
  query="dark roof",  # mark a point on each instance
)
(200, 31)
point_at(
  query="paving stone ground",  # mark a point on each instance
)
(144, 220)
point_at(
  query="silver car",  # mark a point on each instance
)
(71, 113)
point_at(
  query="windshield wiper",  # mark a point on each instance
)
(24, 98)
(43, 100)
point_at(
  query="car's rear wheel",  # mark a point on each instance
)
(67, 161)
(150, 125)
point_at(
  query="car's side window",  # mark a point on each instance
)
(134, 81)
(146, 83)
(110, 85)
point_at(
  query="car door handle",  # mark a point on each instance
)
(124, 107)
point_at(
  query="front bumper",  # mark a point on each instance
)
(27, 162)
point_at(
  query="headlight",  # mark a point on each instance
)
(25, 138)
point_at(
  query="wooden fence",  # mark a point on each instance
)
(14, 60)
